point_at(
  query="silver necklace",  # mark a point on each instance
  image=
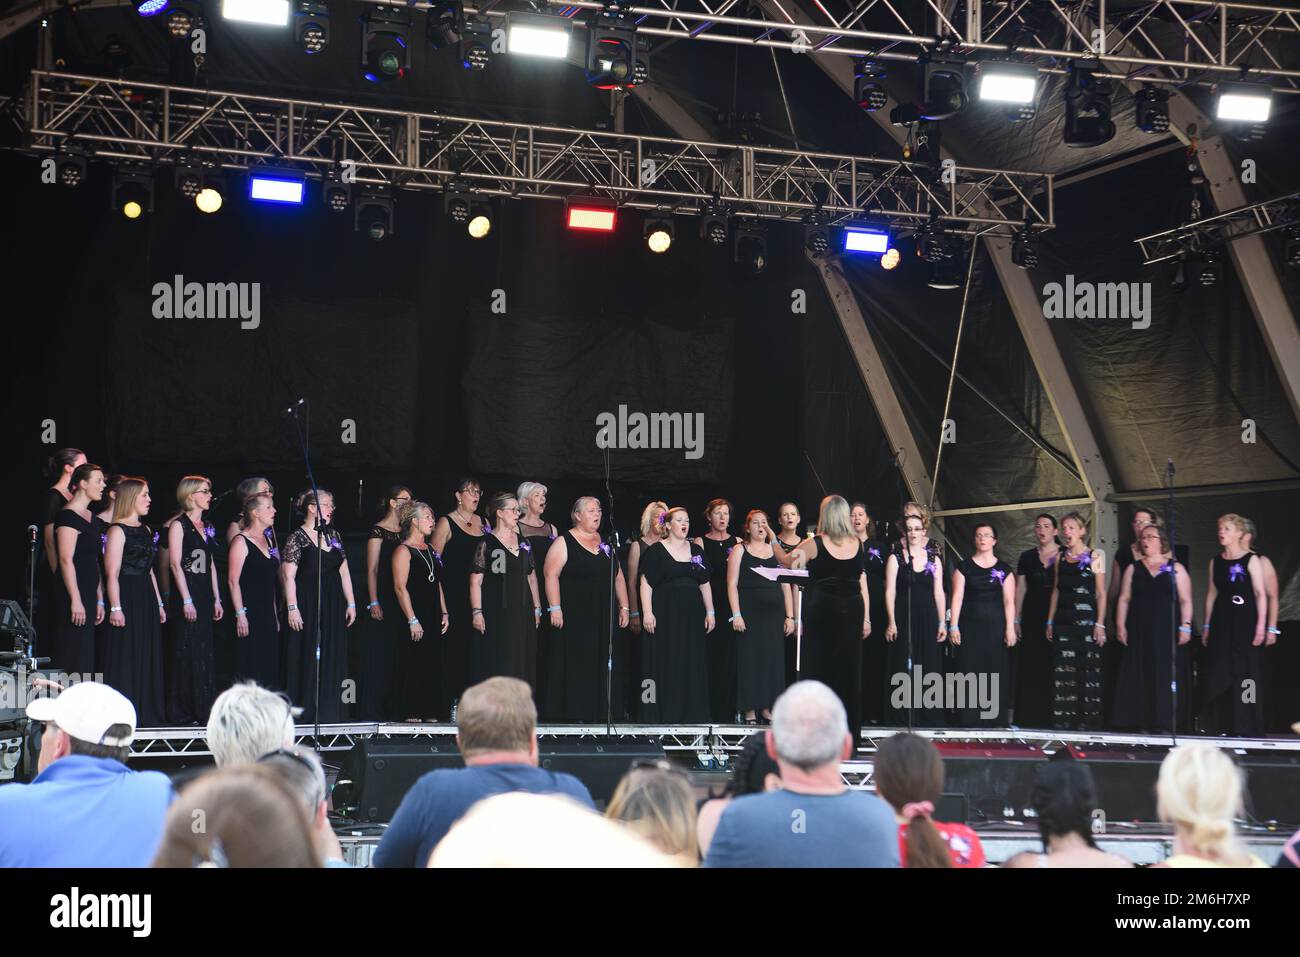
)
(428, 560)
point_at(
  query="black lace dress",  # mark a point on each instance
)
(721, 644)
(300, 646)
(72, 647)
(1076, 659)
(674, 659)
(378, 697)
(792, 646)
(833, 615)
(131, 657)
(508, 645)
(981, 658)
(1031, 659)
(760, 648)
(257, 657)
(191, 664)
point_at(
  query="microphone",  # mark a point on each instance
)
(32, 530)
(293, 409)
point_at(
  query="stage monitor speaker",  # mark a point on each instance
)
(376, 776)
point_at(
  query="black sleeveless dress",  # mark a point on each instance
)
(674, 660)
(1031, 659)
(131, 657)
(191, 664)
(580, 664)
(1234, 665)
(419, 663)
(792, 646)
(257, 657)
(539, 538)
(457, 557)
(378, 698)
(1143, 690)
(721, 644)
(983, 649)
(300, 646)
(760, 648)
(914, 609)
(833, 614)
(1076, 659)
(875, 670)
(71, 648)
(508, 645)
(46, 587)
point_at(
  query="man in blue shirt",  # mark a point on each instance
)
(814, 820)
(497, 734)
(85, 808)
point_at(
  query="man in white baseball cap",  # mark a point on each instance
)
(85, 808)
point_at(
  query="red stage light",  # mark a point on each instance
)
(593, 215)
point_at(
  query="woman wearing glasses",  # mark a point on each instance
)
(456, 539)
(417, 574)
(377, 696)
(504, 603)
(195, 605)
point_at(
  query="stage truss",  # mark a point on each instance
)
(146, 125)
(1216, 231)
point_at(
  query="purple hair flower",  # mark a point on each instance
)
(997, 575)
(1236, 572)
(604, 547)
(662, 519)
(210, 533)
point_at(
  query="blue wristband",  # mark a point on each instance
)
(553, 608)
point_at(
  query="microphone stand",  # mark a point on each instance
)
(1174, 605)
(613, 598)
(33, 533)
(301, 432)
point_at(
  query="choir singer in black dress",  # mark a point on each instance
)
(196, 605)
(79, 591)
(717, 543)
(253, 575)
(1031, 659)
(762, 617)
(983, 631)
(417, 582)
(503, 598)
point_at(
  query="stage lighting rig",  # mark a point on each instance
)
(749, 247)
(311, 26)
(1151, 112)
(180, 22)
(374, 213)
(946, 273)
(386, 48)
(445, 23)
(269, 13)
(1013, 86)
(150, 8)
(611, 48)
(456, 204)
(713, 224)
(866, 239)
(212, 196)
(336, 193)
(869, 85)
(1291, 247)
(1210, 273)
(476, 44)
(1024, 249)
(932, 241)
(480, 220)
(1243, 109)
(943, 87)
(132, 192)
(188, 177)
(1087, 106)
(70, 166)
(891, 258)
(590, 213)
(539, 35)
(659, 232)
(816, 236)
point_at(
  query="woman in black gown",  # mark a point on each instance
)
(653, 528)
(79, 591)
(253, 575)
(578, 571)
(788, 538)
(1074, 626)
(377, 698)
(304, 548)
(417, 583)
(1236, 608)
(59, 469)
(455, 539)
(717, 544)
(1031, 658)
(983, 631)
(504, 603)
(837, 612)
(196, 605)
(762, 617)
(914, 601)
(1145, 627)
(875, 552)
(131, 656)
(676, 614)
(539, 534)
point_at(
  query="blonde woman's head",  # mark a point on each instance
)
(1199, 791)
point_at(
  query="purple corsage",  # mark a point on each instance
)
(551, 536)
(1236, 572)
(1085, 561)
(931, 568)
(523, 544)
(103, 541)
(873, 552)
(210, 533)
(997, 575)
(604, 547)
(274, 553)
(155, 538)
(1167, 567)
(487, 527)
(697, 561)
(336, 542)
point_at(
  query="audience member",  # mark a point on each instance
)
(909, 775)
(300, 770)
(753, 771)
(85, 808)
(1199, 791)
(542, 830)
(1064, 799)
(657, 802)
(240, 816)
(497, 734)
(814, 820)
(248, 721)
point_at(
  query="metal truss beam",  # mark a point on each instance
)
(1221, 229)
(1025, 305)
(130, 122)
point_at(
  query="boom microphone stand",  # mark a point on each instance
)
(1174, 605)
(613, 598)
(32, 533)
(301, 432)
